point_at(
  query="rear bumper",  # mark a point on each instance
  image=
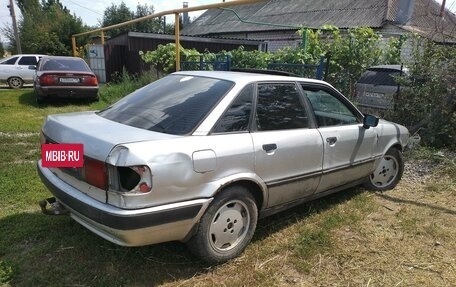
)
(126, 227)
(66, 92)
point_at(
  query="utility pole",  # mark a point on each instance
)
(442, 8)
(16, 33)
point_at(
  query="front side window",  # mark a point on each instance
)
(28, 61)
(328, 109)
(175, 104)
(237, 117)
(279, 107)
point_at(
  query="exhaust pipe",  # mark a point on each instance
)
(55, 208)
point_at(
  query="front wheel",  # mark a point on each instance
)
(388, 172)
(227, 227)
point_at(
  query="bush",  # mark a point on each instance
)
(428, 105)
(123, 85)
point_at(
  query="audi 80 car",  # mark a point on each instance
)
(64, 77)
(198, 157)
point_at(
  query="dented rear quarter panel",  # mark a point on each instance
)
(186, 168)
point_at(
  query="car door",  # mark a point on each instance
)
(7, 67)
(26, 67)
(288, 151)
(348, 146)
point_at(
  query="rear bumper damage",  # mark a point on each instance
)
(133, 227)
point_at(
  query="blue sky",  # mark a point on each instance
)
(91, 11)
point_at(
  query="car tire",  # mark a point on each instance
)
(388, 172)
(15, 83)
(227, 226)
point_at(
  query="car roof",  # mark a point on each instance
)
(61, 57)
(20, 55)
(387, 67)
(247, 76)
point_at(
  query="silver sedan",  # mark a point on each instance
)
(198, 157)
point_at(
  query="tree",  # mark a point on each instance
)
(149, 26)
(2, 50)
(114, 15)
(46, 28)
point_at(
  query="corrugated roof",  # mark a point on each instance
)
(290, 14)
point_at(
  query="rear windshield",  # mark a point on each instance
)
(175, 104)
(77, 65)
(380, 77)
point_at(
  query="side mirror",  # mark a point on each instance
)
(369, 121)
(32, 67)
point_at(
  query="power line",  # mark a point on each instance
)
(86, 8)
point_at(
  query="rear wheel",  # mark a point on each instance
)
(388, 172)
(227, 226)
(15, 83)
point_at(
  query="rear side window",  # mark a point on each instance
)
(279, 107)
(237, 117)
(28, 60)
(382, 77)
(11, 61)
(175, 104)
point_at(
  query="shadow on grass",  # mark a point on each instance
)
(57, 251)
(28, 98)
(417, 203)
(282, 220)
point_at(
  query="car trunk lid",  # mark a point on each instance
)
(98, 135)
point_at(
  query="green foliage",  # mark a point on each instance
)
(123, 85)
(116, 14)
(351, 55)
(6, 272)
(163, 59)
(149, 26)
(2, 50)
(240, 58)
(428, 103)
(46, 28)
(392, 54)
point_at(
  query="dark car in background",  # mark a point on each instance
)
(377, 88)
(64, 77)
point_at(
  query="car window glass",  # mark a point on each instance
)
(237, 117)
(28, 60)
(175, 104)
(279, 107)
(380, 77)
(328, 109)
(10, 61)
(65, 65)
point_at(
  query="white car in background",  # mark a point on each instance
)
(18, 69)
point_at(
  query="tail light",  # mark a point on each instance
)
(95, 173)
(135, 179)
(48, 80)
(90, 80)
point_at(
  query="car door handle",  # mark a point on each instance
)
(331, 140)
(269, 147)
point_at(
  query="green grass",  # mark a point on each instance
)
(296, 247)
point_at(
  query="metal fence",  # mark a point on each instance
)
(221, 63)
(318, 71)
